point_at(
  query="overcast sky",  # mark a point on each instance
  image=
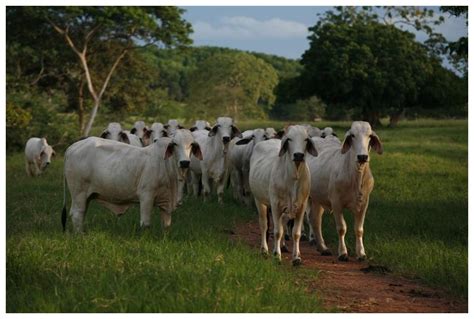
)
(281, 31)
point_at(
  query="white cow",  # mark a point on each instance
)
(38, 155)
(139, 128)
(201, 125)
(118, 175)
(214, 148)
(156, 131)
(240, 151)
(341, 178)
(280, 179)
(172, 126)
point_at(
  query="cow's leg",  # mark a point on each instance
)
(263, 223)
(195, 182)
(220, 188)
(277, 231)
(359, 230)
(205, 185)
(235, 183)
(146, 209)
(30, 169)
(341, 230)
(78, 211)
(297, 224)
(316, 218)
(287, 224)
(181, 183)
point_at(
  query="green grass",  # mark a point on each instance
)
(417, 225)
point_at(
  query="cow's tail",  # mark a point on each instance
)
(64, 213)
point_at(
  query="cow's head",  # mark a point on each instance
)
(258, 135)
(328, 131)
(201, 125)
(139, 129)
(359, 140)
(295, 143)
(114, 132)
(225, 130)
(172, 126)
(46, 154)
(182, 146)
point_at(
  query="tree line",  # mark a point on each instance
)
(67, 66)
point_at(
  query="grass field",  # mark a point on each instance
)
(417, 225)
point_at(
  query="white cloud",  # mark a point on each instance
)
(240, 27)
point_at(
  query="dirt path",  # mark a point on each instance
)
(356, 286)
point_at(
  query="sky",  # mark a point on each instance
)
(280, 30)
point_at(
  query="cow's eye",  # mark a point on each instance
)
(352, 135)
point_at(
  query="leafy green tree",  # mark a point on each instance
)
(357, 61)
(237, 84)
(101, 37)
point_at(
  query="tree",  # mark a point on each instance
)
(354, 60)
(234, 84)
(458, 50)
(100, 38)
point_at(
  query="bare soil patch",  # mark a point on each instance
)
(355, 286)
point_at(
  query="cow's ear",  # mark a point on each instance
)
(124, 138)
(310, 148)
(244, 141)
(53, 153)
(147, 133)
(346, 145)
(213, 131)
(180, 126)
(169, 150)
(166, 126)
(284, 147)
(235, 132)
(196, 150)
(133, 130)
(375, 143)
(164, 133)
(105, 134)
(280, 134)
(192, 129)
(334, 134)
(208, 128)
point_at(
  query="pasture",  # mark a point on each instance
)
(416, 225)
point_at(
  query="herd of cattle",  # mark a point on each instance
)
(297, 172)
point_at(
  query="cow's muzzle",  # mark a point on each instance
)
(226, 139)
(362, 158)
(298, 157)
(184, 164)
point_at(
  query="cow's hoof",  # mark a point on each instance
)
(265, 253)
(343, 257)
(284, 249)
(362, 258)
(327, 252)
(297, 262)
